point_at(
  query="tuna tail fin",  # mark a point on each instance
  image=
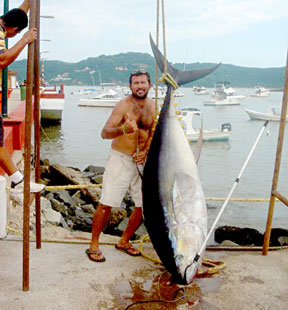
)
(181, 77)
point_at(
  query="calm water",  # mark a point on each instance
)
(77, 142)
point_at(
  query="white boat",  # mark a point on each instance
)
(272, 114)
(87, 91)
(178, 93)
(261, 92)
(221, 103)
(223, 96)
(52, 101)
(200, 90)
(107, 98)
(160, 94)
(187, 116)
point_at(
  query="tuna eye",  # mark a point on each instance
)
(179, 258)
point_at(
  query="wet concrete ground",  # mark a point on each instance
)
(62, 277)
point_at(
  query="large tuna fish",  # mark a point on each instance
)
(174, 205)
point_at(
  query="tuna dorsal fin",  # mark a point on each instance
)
(181, 77)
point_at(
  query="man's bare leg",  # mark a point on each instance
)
(134, 223)
(99, 220)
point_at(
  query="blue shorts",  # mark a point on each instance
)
(1, 132)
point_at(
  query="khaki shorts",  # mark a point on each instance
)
(121, 175)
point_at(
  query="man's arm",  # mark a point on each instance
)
(115, 126)
(25, 6)
(8, 56)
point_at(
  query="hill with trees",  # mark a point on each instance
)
(116, 69)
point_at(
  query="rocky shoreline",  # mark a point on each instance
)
(69, 210)
(72, 209)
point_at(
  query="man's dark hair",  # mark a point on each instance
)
(15, 18)
(139, 72)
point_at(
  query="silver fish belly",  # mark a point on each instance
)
(181, 196)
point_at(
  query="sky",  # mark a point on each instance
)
(248, 33)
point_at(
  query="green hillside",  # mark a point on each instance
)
(116, 69)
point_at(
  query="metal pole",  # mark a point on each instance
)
(198, 255)
(5, 74)
(277, 164)
(27, 153)
(37, 125)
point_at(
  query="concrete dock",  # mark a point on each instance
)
(62, 277)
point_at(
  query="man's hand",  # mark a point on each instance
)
(30, 35)
(129, 126)
(140, 157)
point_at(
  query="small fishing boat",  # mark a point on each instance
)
(200, 90)
(272, 114)
(261, 92)
(223, 96)
(107, 98)
(52, 101)
(86, 91)
(187, 115)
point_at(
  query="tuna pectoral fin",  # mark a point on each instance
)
(181, 77)
(182, 192)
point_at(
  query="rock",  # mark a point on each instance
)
(241, 236)
(94, 169)
(229, 243)
(97, 179)
(283, 240)
(59, 207)
(277, 233)
(116, 216)
(64, 196)
(71, 175)
(83, 221)
(52, 216)
(88, 208)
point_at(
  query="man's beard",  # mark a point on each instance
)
(140, 97)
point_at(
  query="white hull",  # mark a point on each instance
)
(51, 109)
(224, 102)
(261, 95)
(254, 115)
(209, 135)
(192, 135)
(109, 103)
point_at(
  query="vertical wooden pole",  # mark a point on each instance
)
(37, 125)
(277, 163)
(4, 73)
(27, 151)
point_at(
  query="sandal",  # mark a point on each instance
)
(128, 250)
(91, 255)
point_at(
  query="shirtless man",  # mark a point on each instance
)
(130, 127)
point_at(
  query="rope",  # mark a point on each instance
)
(80, 186)
(164, 37)
(167, 77)
(156, 65)
(212, 266)
(77, 186)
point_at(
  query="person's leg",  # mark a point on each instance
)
(6, 162)
(99, 220)
(134, 223)
(136, 217)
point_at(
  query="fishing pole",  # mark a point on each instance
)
(198, 255)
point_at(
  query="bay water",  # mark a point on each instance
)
(76, 142)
